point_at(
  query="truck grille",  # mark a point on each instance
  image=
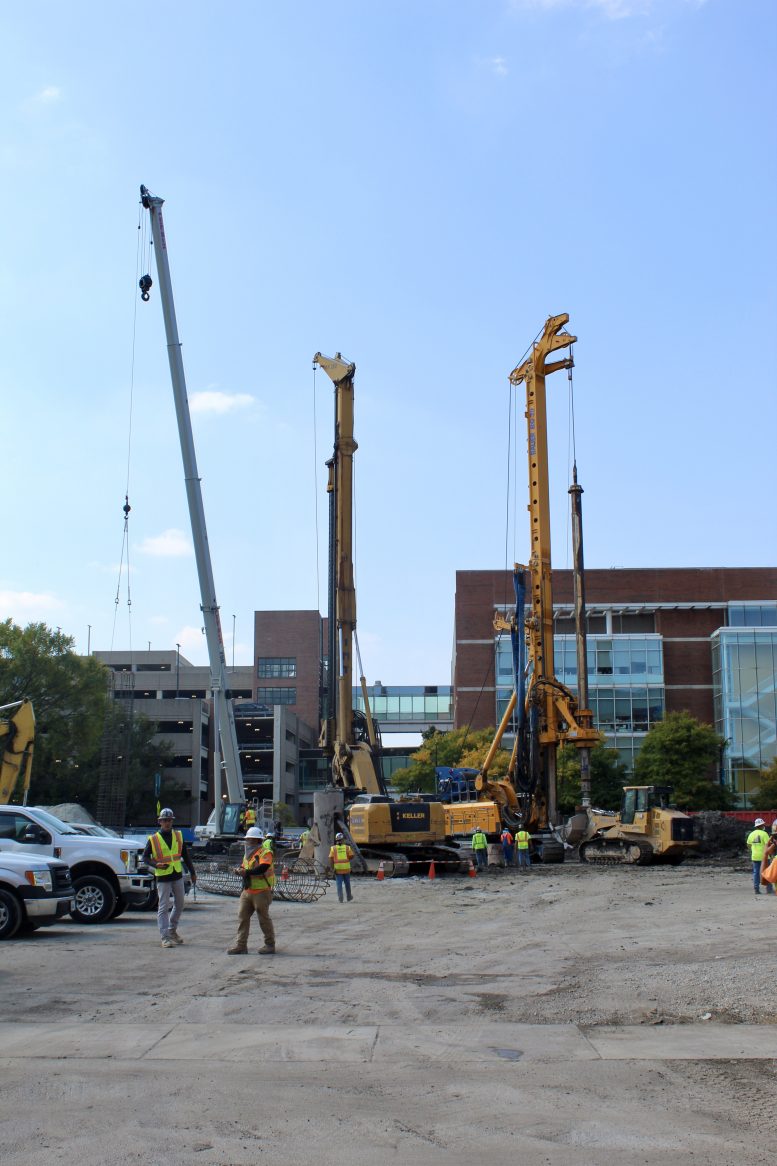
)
(62, 883)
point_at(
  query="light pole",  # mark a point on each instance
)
(177, 670)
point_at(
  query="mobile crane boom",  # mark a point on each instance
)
(222, 705)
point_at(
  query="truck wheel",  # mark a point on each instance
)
(95, 899)
(120, 908)
(10, 915)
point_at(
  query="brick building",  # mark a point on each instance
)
(659, 640)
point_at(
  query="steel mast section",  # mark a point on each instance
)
(353, 765)
(222, 705)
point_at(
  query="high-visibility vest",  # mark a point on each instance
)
(757, 840)
(267, 846)
(479, 841)
(507, 838)
(340, 859)
(168, 856)
(250, 817)
(522, 838)
(304, 837)
(258, 882)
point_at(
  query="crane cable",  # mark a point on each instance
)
(142, 242)
(315, 492)
(571, 447)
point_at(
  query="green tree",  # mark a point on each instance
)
(68, 693)
(458, 748)
(683, 753)
(608, 776)
(766, 798)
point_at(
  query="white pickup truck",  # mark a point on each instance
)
(106, 872)
(34, 892)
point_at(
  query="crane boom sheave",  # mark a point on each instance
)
(222, 706)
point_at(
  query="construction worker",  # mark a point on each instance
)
(522, 838)
(249, 817)
(304, 837)
(480, 849)
(508, 849)
(771, 849)
(758, 840)
(340, 857)
(167, 853)
(258, 881)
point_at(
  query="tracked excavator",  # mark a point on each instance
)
(17, 740)
(406, 834)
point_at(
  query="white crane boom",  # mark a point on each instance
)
(222, 705)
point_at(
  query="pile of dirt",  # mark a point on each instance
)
(720, 836)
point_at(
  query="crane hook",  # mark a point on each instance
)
(145, 285)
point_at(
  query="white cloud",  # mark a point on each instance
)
(193, 644)
(47, 96)
(30, 604)
(215, 401)
(169, 544)
(499, 66)
(611, 9)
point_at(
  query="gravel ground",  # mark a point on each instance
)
(562, 946)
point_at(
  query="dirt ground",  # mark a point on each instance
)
(609, 1016)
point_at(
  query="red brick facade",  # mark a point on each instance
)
(295, 634)
(686, 630)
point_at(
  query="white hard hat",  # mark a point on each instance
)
(760, 822)
(254, 832)
(166, 813)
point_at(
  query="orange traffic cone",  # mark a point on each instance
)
(432, 875)
(472, 871)
(285, 874)
(380, 876)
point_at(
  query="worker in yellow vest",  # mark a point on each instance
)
(758, 840)
(258, 876)
(340, 857)
(522, 839)
(249, 817)
(167, 854)
(480, 849)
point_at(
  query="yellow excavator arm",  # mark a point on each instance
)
(17, 738)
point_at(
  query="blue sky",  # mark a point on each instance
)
(417, 185)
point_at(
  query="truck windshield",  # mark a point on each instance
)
(54, 823)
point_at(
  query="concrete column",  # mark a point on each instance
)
(327, 806)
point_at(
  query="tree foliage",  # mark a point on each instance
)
(458, 748)
(68, 694)
(766, 797)
(608, 776)
(683, 753)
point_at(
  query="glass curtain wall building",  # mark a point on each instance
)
(744, 662)
(625, 684)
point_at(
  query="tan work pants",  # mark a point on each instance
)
(258, 901)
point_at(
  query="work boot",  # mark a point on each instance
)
(268, 949)
(350, 898)
(167, 942)
(237, 950)
(175, 937)
(757, 890)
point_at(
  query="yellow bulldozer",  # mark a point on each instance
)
(647, 829)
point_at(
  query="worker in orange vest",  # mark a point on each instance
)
(508, 850)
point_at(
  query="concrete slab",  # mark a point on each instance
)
(233, 1042)
(121, 1042)
(484, 1043)
(706, 1042)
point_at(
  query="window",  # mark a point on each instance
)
(277, 667)
(752, 615)
(276, 695)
